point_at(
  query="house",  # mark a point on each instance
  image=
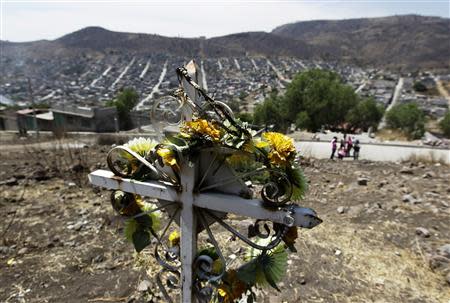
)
(26, 119)
(88, 119)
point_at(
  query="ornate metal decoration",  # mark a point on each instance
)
(224, 152)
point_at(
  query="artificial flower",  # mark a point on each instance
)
(167, 155)
(282, 148)
(174, 238)
(232, 288)
(141, 146)
(200, 127)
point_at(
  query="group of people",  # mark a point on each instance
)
(347, 144)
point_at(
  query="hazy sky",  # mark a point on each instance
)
(25, 20)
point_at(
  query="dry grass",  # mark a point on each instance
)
(368, 259)
(391, 135)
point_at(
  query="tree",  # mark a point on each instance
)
(408, 118)
(321, 96)
(445, 124)
(125, 101)
(419, 87)
(367, 113)
(269, 113)
(246, 117)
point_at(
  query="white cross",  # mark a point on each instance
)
(195, 179)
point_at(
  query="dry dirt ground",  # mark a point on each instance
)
(385, 235)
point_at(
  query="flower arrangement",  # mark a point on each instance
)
(274, 156)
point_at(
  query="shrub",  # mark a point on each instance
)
(408, 118)
(445, 125)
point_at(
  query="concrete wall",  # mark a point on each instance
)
(378, 152)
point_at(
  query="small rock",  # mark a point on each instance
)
(406, 171)
(5, 250)
(144, 285)
(428, 175)
(408, 198)
(444, 250)
(302, 280)
(423, 232)
(10, 182)
(78, 168)
(22, 251)
(341, 209)
(40, 175)
(338, 252)
(71, 184)
(397, 253)
(98, 259)
(382, 183)
(362, 181)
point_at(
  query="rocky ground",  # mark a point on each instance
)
(385, 235)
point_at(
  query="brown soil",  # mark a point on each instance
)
(61, 241)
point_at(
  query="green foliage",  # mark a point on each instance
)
(141, 239)
(367, 113)
(320, 97)
(299, 182)
(419, 87)
(270, 113)
(243, 95)
(313, 99)
(408, 118)
(445, 124)
(265, 268)
(245, 117)
(303, 121)
(125, 101)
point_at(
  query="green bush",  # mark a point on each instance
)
(270, 113)
(314, 99)
(322, 95)
(445, 124)
(367, 113)
(419, 87)
(125, 101)
(408, 118)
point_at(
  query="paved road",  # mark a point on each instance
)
(395, 97)
(377, 152)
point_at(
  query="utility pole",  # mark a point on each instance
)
(30, 93)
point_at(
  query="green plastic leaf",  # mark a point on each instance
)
(299, 182)
(130, 227)
(247, 272)
(176, 141)
(145, 222)
(141, 239)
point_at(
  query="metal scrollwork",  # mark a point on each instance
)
(124, 162)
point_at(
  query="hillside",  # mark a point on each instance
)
(409, 41)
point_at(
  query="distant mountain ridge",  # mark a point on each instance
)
(405, 41)
(409, 42)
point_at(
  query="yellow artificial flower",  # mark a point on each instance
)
(232, 288)
(174, 238)
(200, 127)
(224, 294)
(282, 148)
(167, 155)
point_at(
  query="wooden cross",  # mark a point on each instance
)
(202, 187)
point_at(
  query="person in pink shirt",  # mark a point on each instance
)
(349, 145)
